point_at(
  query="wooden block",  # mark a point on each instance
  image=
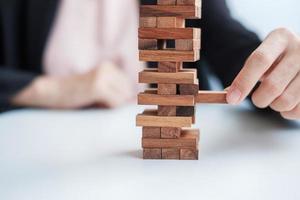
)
(169, 33)
(151, 132)
(148, 44)
(169, 55)
(170, 22)
(166, 89)
(170, 153)
(188, 89)
(151, 91)
(169, 66)
(147, 22)
(189, 154)
(170, 132)
(186, 76)
(166, 111)
(152, 153)
(188, 139)
(186, 111)
(189, 2)
(151, 118)
(187, 12)
(166, 2)
(165, 100)
(187, 44)
(211, 97)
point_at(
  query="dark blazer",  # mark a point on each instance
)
(25, 26)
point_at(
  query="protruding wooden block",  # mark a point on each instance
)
(165, 100)
(187, 44)
(171, 153)
(152, 153)
(170, 132)
(187, 12)
(186, 76)
(165, 89)
(166, 111)
(211, 97)
(169, 55)
(189, 2)
(170, 33)
(188, 89)
(147, 22)
(188, 139)
(169, 66)
(145, 44)
(151, 118)
(189, 154)
(170, 22)
(166, 2)
(151, 132)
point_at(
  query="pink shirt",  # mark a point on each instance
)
(89, 32)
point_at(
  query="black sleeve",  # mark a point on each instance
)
(226, 44)
(11, 82)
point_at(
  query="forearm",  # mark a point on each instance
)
(54, 92)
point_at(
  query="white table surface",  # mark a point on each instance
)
(96, 154)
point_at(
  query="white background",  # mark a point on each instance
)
(262, 16)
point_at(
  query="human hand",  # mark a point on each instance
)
(106, 85)
(276, 65)
(110, 86)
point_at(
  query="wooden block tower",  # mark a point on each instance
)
(163, 38)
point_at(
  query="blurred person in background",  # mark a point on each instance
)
(78, 53)
(68, 54)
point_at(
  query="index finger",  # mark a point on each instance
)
(255, 67)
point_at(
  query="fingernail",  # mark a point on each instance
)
(233, 96)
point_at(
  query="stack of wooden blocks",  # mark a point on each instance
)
(166, 130)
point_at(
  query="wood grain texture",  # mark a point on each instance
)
(166, 89)
(185, 11)
(211, 97)
(188, 111)
(187, 44)
(169, 55)
(148, 22)
(152, 153)
(166, 2)
(188, 89)
(165, 100)
(166, 110)
(145, 44)
(170, 153)
(170, 22)
(151, 91)
(188, 139)
(189, 154)
(185, 111)
(189, 2)
(169, 33)
(185, 76)
(169, 66)
(151, 132)
(151, 118)
(170, 132)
